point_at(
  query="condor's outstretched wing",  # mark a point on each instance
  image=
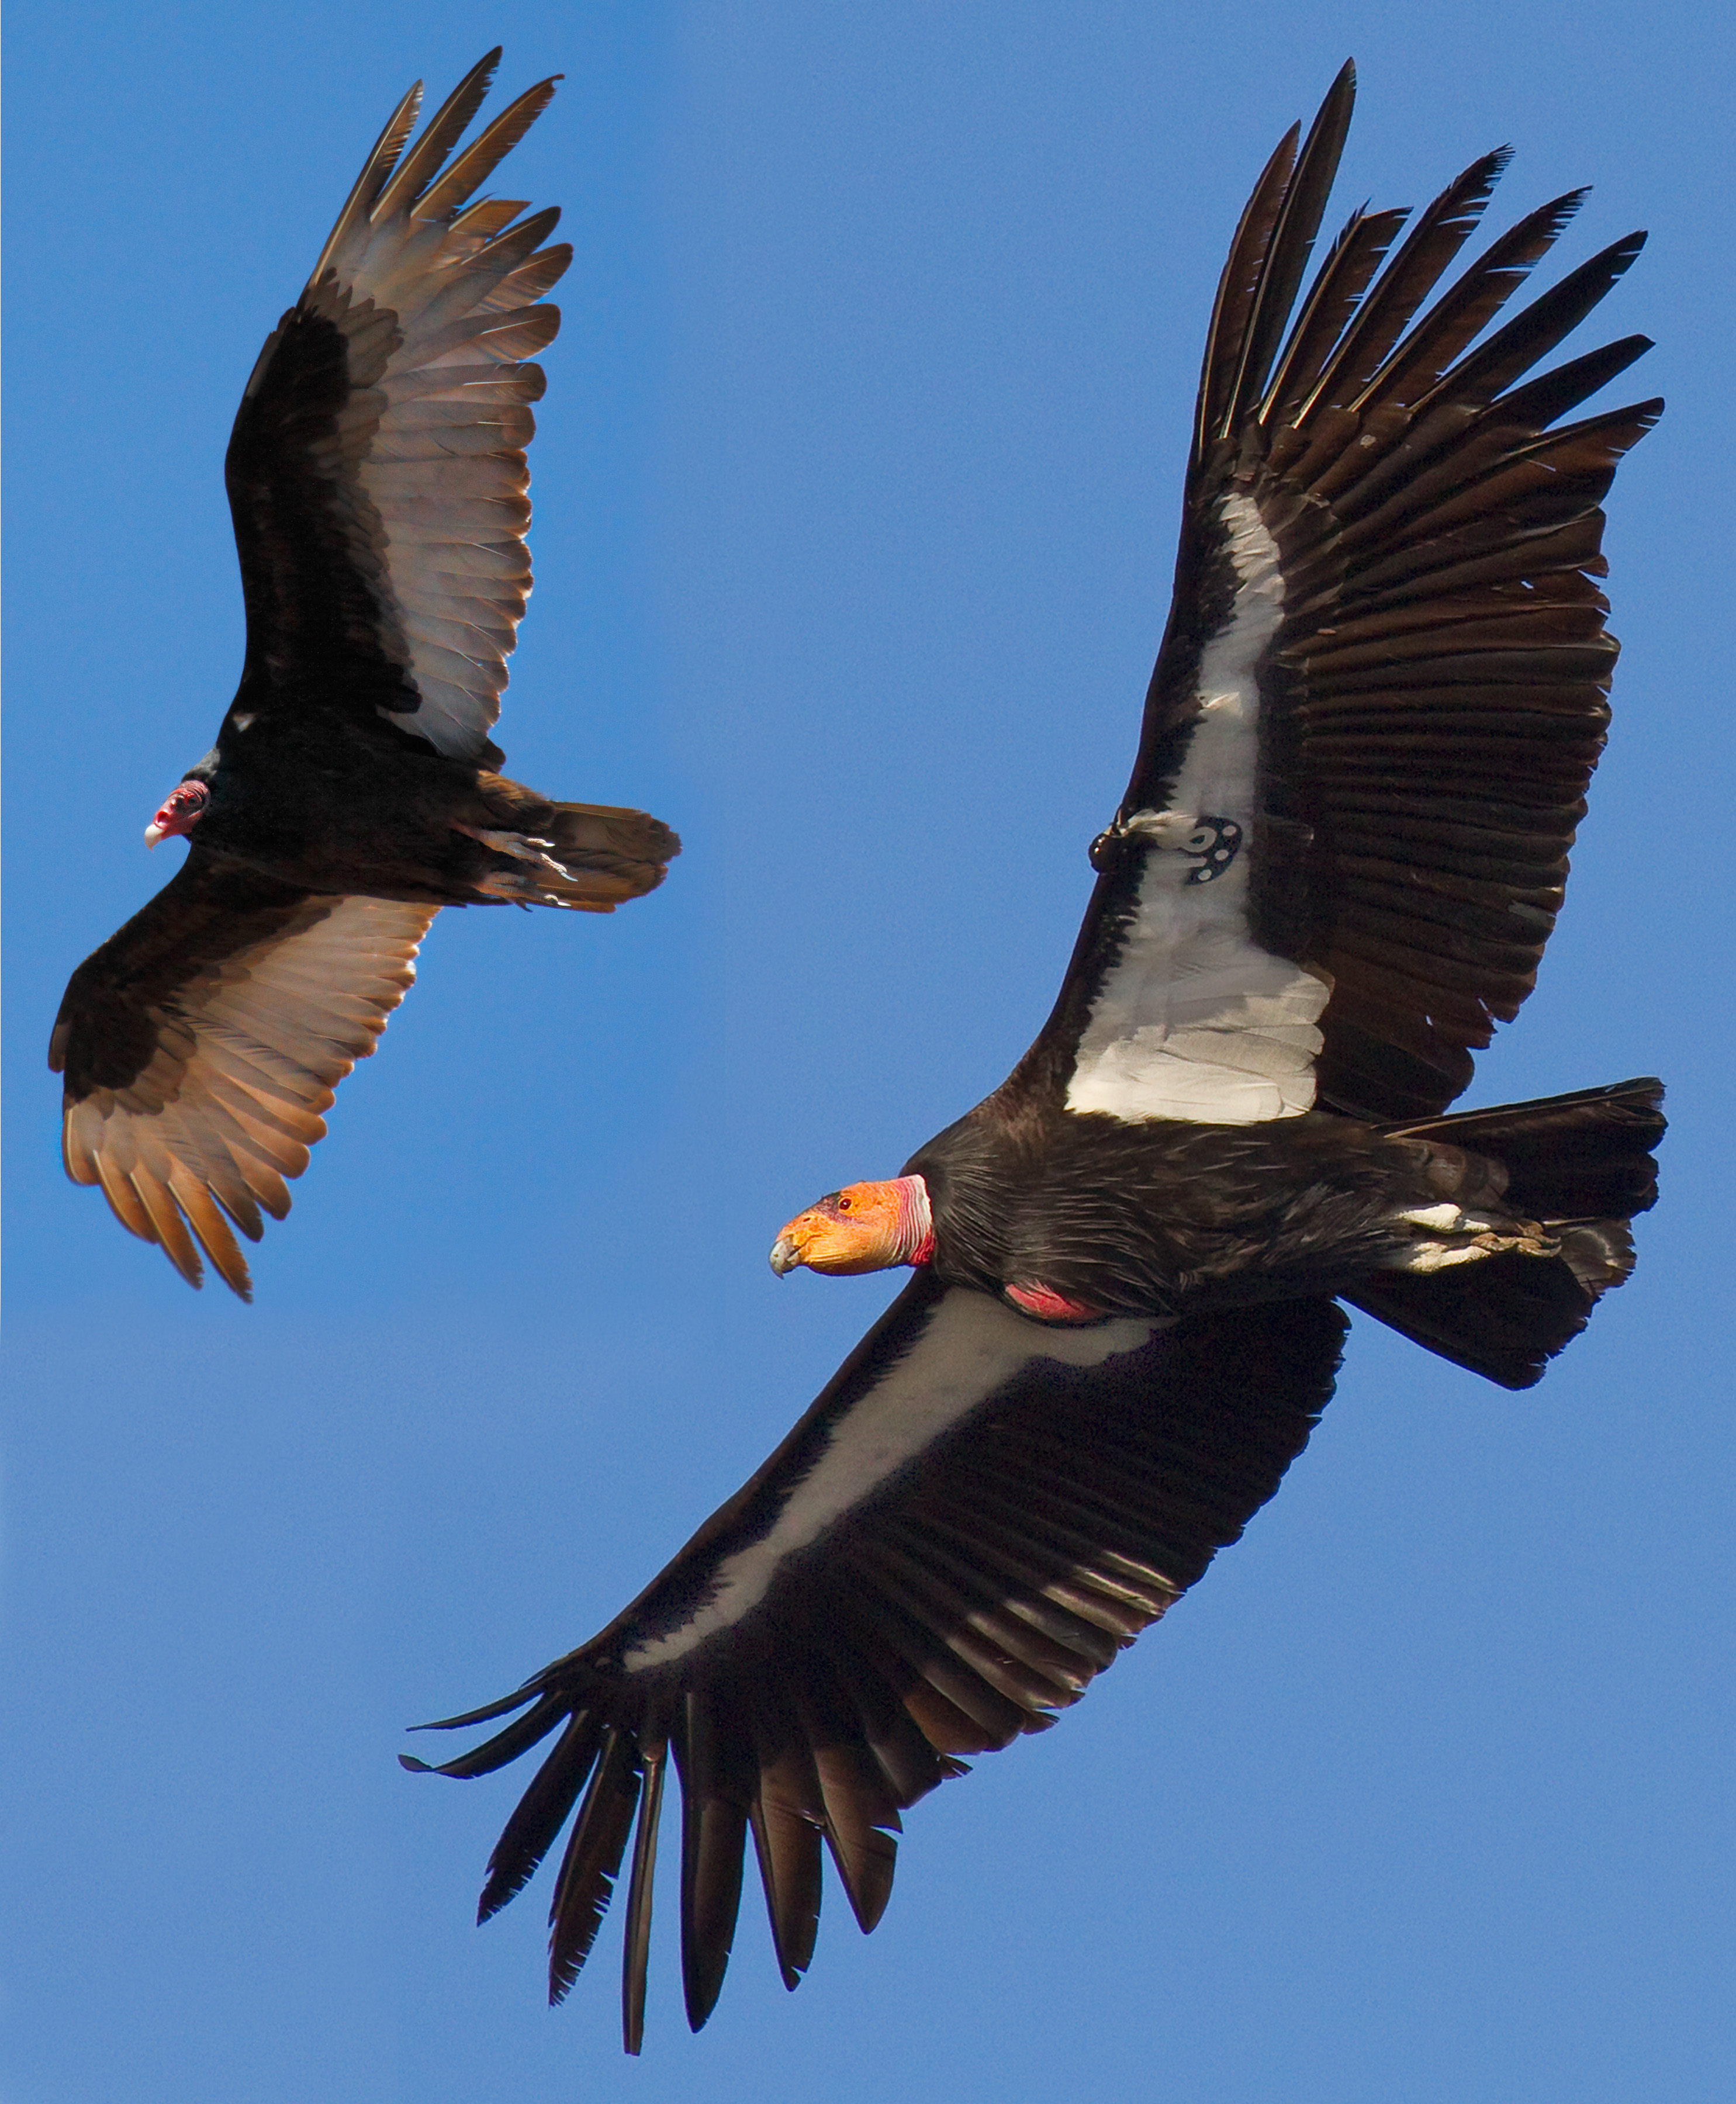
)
(376, 471)
(1381, 691)
(971, 1521)
(202, 1042)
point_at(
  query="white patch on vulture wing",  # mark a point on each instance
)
(1194, 1020)
(970, 1344)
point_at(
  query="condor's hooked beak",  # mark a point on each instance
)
(864, 1227)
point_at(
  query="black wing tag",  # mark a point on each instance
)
(1215, 841)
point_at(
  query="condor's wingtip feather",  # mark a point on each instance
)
(519, 1737)
(541, 1813)
(784, 1815)
(454, 185)
(714, 1840)
(1291, 243)
(592, 1861)
(1459, 316)
(1535, 331)
(1442, 229)
(637, 1946)
(1236, 289)
(1539, 401)
(1339, 285)
(489, 1711)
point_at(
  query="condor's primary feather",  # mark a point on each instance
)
(1366, 746)
(378, 483)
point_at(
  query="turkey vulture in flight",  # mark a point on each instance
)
(1365, 744)
(378, 483)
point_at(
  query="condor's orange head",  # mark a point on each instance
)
(864, 1227)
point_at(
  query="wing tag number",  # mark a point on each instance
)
(1215, 841)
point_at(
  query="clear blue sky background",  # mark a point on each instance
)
(855, 491)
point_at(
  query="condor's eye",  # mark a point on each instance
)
(844, 1205)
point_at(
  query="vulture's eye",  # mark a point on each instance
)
(843, 1205)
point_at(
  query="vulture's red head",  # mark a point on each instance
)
(182, 812)
(864, 1227)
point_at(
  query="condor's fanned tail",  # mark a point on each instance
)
(1579, 1164)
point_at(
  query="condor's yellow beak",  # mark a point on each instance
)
(864, 1227)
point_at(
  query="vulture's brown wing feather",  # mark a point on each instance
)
(971, 1521)
(202, 1043)
(377, 472)
(1383, 686)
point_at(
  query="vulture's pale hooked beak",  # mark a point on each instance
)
(181, 813)
(864, 1227)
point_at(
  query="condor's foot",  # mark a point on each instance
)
(1453, 1236)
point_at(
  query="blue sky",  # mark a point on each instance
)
(856, 486)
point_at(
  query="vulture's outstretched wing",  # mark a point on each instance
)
(201, 1044)
(377, 472)
(971, 1521)
(1380, 694)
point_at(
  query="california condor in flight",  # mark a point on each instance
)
(1365, 750)
(377, 484)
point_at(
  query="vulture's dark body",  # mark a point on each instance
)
(360, 808)
(319, 776)
(378, 485)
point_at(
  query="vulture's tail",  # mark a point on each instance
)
(1582, 1167)
(610, 852)
(590, 857)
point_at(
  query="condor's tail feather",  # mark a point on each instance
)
(1582, 1167)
